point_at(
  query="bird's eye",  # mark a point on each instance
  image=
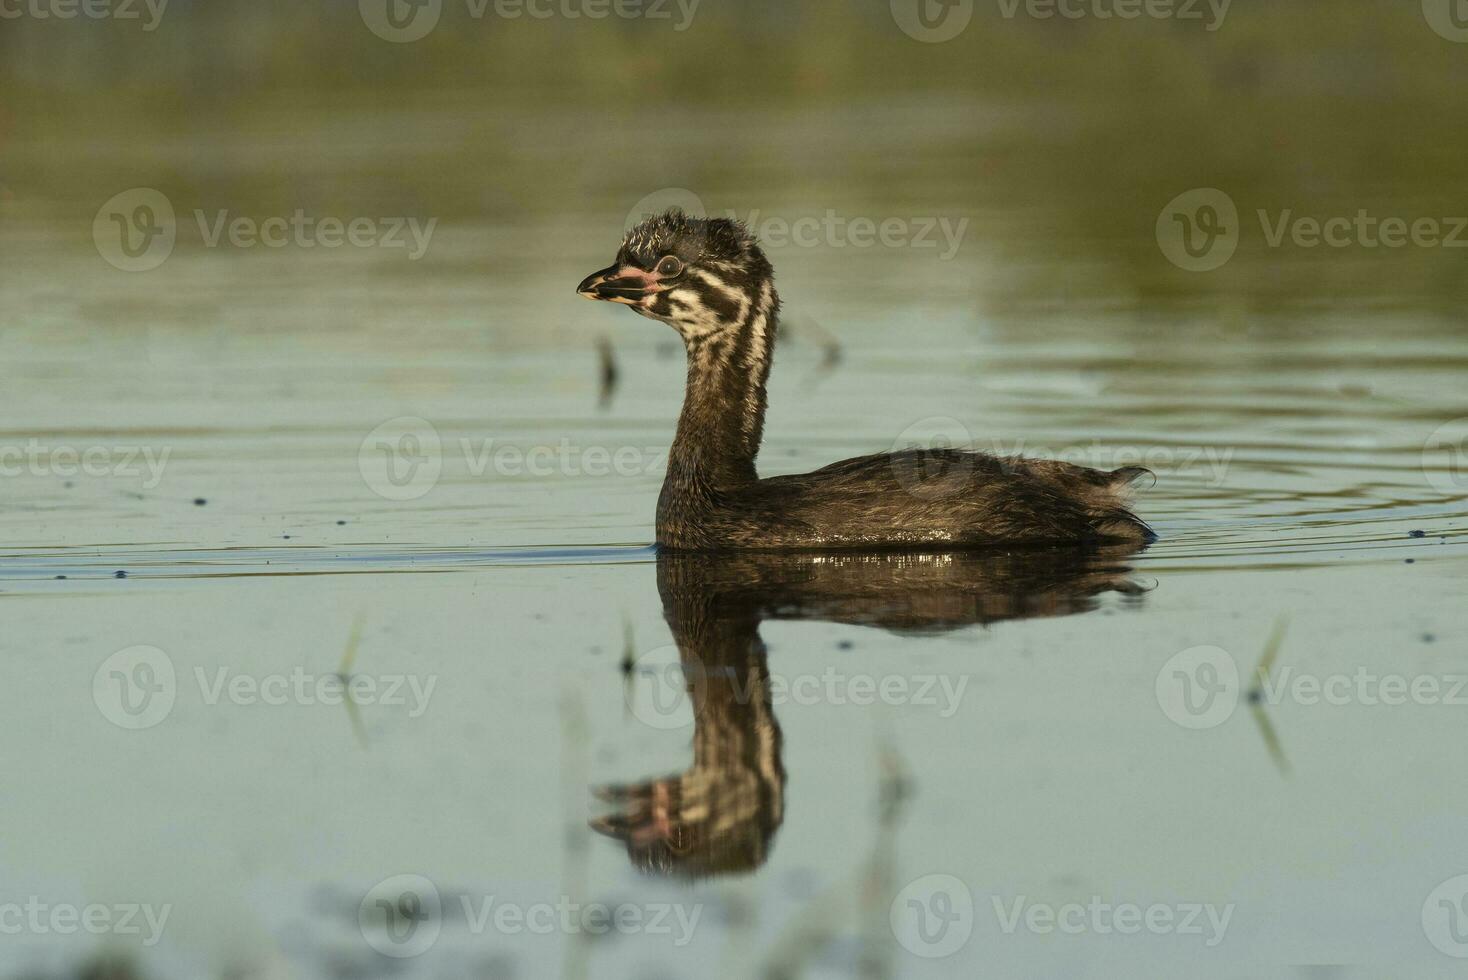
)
(670, 266)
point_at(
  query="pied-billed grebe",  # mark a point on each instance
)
(708, 279)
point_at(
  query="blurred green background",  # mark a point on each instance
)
(1061, 138)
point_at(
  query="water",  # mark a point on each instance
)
(313, 464)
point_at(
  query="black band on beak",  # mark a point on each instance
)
(602, 285)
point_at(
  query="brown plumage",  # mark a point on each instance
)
(709, 280)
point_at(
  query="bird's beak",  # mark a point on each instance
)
(617, 284)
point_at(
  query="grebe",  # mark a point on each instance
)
(708, 279)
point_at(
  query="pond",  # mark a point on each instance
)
(338, 646)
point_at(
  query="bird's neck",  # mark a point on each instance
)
(723, 415)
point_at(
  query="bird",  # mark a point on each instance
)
(708, 279)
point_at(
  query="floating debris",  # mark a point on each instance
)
(1255, 695)
(344, 671)
(629, 649)
(609, 372)
(830, 346)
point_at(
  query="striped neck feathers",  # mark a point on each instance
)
(729, 333)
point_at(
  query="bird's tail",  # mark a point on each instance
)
(1116, 519)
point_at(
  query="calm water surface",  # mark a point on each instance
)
(412, 475)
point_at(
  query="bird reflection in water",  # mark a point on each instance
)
(720, 816)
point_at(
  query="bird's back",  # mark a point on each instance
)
(921, 498)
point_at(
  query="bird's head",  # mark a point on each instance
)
(699, 275)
